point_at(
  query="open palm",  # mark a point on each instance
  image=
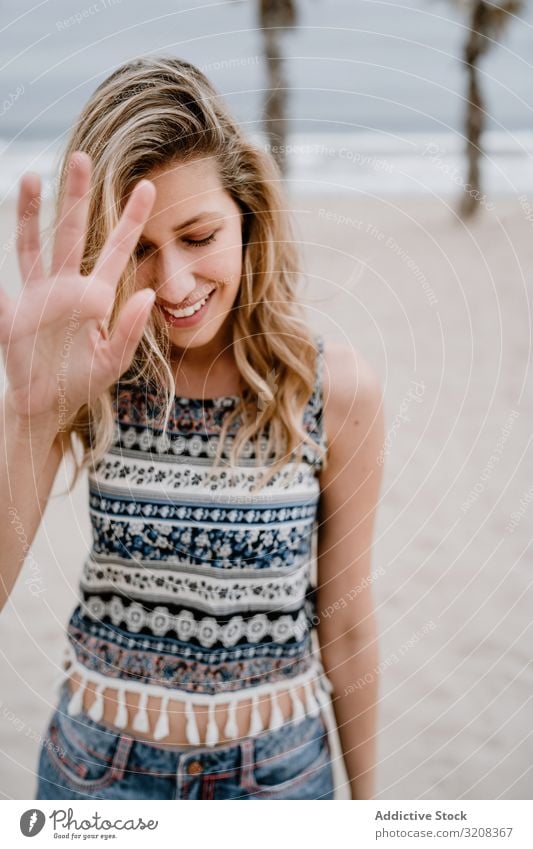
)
(56, 350)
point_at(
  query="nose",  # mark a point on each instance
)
(175, 277)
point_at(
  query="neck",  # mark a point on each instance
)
(200, 358)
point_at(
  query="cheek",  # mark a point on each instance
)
(226, 269)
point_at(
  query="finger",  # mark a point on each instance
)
(121, 241)
(129, 328)
(71, 231)
(28, 236)
(7, 314)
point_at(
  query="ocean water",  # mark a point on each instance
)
(369, 81)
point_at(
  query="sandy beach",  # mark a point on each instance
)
(442, 311)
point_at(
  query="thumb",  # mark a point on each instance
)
(129, 328)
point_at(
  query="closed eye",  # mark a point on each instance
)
(143, 250)
(198, 243)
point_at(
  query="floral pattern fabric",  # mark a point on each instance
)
(193, 582)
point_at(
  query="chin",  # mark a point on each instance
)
(192, 337)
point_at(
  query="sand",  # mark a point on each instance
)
(442, 312)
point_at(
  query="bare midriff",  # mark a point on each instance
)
(176, 713)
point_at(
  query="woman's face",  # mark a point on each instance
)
(190, 249)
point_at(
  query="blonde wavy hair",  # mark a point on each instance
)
(154, 112)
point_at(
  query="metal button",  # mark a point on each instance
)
(194, 768)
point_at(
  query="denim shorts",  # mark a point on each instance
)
(83, 759)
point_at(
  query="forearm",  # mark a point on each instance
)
(351, 664)
(29, 459)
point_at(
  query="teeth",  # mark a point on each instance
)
(188, 310)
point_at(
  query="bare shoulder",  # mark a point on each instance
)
(353, 398)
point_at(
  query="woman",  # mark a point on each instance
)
(219, 434)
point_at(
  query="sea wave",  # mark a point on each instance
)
(327, 163)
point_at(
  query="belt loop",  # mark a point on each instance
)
(247, 761)
(181, 776)
(121, 755)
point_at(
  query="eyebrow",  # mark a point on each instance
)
(196, 218)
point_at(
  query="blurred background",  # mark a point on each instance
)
(404, 131)
(372, 77)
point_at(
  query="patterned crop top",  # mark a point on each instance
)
(195, 588)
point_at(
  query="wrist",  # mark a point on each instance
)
(37, 428)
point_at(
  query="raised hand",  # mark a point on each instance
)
(56, 352)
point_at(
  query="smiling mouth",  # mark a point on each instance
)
(190, 310)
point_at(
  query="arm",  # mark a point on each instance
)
(29, 462)
(33, 334)
(350, 486)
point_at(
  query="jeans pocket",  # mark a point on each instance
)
(86, 755)
(302, 770)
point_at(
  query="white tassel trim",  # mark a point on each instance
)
(322, 697)
(76, 702)
(191, 726)
(255, 718)
(96, 711)
(298, 710)
(315, 684)
(276, 716)
(313, 708)
(211, 734)
(161, 727)
(325, 682)
(121, 716)
(140, 720)
(231, 728)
